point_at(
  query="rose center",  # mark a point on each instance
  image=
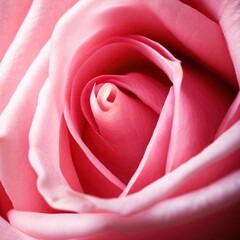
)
(124, 127)
(106, 96)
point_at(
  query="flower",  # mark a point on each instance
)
(120, 120)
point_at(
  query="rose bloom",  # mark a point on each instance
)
(119, 119)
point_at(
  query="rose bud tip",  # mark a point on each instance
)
(106, 96)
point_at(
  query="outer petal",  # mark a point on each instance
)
(16, 174)
(14, 156)
(226, 144)
(230, 22)
(212, 9)
(8, 232)
(34, 33)
(200, 108)
(232, 116)
(198, 34)
(226, 14)
(185, 208)
(11, 17)
(51, 181)
(66, 161)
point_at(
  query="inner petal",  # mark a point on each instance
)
(106, 96)
(125, 125)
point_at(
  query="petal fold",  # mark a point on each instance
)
(16, 174)
(223, 193)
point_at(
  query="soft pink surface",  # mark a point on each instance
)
(151, 167)
(70, 41)
(11, 18)
(222, 193)
(232, 116)
(199, 109)
(17, 176)
(9, 232)
(198, 147)
(229, 23)
(208, 8)
(29, 51)
(31, 37)
(217, 152)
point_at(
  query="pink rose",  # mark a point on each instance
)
(120, 119)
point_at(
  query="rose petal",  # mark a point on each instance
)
(104, 184)
(203, 177)
(51, 182)
(225, 192)
(34, 33)
(8, 232)
(225, 12)
(193, 29)
(152, 166)
(230, 26)
(226, 144)
(232, 116)
(212, 9)
(66, 162)
(16, 174)
(11, 17)
(200, 108)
